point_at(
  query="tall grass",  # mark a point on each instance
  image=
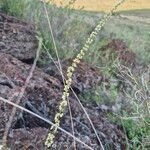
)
(15, 7)
(67, 27)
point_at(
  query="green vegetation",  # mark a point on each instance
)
(15, 7)
(135, 34)
(25, 9)
(137, 131)
(71, 29)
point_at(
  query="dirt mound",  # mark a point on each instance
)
(43, 95)
(84, 78)
(17, 38)
(122, 52)
(12, 77)
(110, 135)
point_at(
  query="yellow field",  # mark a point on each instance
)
(106, 5)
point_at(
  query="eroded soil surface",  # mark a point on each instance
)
(17, 38)
(43, 94)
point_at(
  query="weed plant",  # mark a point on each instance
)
(134, 118)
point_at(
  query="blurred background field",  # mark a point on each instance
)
(106, 5)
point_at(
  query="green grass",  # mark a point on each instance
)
(77, 26)
(135, 34)
(71, 29)
(15, 7)
(137, 131)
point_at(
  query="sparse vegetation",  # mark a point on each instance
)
(121, 54)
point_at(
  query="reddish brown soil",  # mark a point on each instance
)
(126, 56)
(17, 38)
(43, 95)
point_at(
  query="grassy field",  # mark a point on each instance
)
(126, 93)
(103, 5)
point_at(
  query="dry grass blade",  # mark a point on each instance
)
(53, 39)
